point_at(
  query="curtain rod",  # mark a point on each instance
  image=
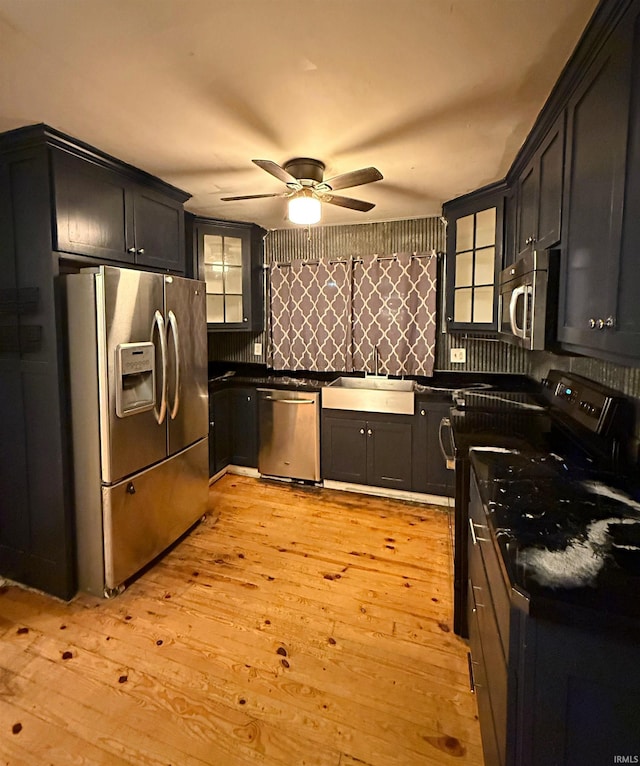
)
(394, 257)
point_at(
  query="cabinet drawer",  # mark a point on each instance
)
(500, 595)
(493, 753)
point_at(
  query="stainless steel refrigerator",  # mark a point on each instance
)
(139, 409)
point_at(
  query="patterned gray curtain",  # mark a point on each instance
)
(310, 316)
(394, 308)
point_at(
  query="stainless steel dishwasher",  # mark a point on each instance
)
(289, 431)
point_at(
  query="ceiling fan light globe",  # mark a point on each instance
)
(304, 210)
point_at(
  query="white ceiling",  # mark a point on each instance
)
(439, 95)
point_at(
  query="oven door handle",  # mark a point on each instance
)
(449, 457)
(519, 332)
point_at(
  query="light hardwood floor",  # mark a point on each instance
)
(303, 626)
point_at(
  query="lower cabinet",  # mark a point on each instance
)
(375, 450)
(430, 473)
(392, 451)
(549, 692)
(219, 431)
(243, 404)
(233, 428)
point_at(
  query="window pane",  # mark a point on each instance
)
(464, 269)
(233, 251)
(485, 265)
(483, 304)
(213, 278)
(233, 280)
(215, 311)
(464, 233)
(212, 248)
(233, 308)
(462, 305)
(486, 227)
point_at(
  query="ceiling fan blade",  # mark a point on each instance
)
(353, 204)
(354, 178)
(280, 173)
(249, 196)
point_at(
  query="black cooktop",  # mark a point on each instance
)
(498, 401)
(568, 534)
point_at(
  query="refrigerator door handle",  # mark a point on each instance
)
(172, 324)
(158, 322)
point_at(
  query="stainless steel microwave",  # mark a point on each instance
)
(528, 301)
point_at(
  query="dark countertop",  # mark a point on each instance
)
(554, 523)
(439, 387)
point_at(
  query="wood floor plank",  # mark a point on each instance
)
(243, 645)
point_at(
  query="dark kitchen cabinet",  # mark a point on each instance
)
(104, 214)
(219, 431)
(430, 474)
(549, 693)
(375, 451)
(475, 234)
(63, 206)
(229, 258)
(539, 194)
(598, 314)
(244, 426)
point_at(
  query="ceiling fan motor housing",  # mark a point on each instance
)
(305, 169)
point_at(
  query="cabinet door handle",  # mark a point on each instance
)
(475, 601)
(131, 249)
(369, 431)
(212, 423)
(472, 682)
(362, 431)
(449, 459)
(423, 413)
(141, 251)
(610, 322)
(474, 540)
(592, 323)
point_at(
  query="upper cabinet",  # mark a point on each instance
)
(599, 307)
(103, 213)
(474, 259)
(539, 195)
(229, 259)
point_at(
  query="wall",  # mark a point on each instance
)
(412, 235)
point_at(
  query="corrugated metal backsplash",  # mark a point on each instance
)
(417, 234)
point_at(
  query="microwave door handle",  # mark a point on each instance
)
(517, 331)
(158, 322)
(172, 325)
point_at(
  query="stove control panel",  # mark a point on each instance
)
(582, 400)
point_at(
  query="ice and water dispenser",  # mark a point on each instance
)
(136, 378)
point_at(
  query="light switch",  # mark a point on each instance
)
(458, 355)
(257, 349)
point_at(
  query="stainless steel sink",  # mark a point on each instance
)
(374, 393)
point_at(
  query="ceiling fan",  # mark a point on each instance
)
(306, 189)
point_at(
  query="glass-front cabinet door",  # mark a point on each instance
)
(474, 259)
(229, 261)
(223, 275)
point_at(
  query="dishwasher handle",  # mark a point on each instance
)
(449, 457)
(288, 401)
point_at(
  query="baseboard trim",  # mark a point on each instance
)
(395, 494)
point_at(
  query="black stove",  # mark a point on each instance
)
(544, 453)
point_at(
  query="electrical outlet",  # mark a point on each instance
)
(459, 355)
(257, 349)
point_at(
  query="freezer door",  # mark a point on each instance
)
(145, 513)
(187, 388)
(129, 311)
